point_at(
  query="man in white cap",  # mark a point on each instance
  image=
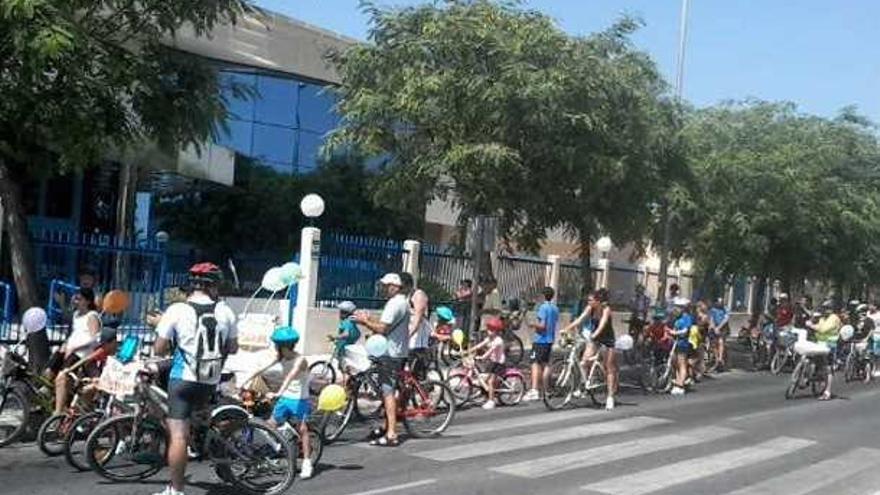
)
(394, 325)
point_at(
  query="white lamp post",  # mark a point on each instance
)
(604, 245)
(312, 207)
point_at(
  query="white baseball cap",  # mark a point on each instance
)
(391, 279)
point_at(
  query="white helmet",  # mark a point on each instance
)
(346, 307)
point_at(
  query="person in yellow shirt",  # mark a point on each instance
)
(827, 331)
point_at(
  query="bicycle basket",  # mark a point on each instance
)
(787, 339)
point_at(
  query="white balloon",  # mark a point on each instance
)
(273, 280)
(291, 273)
(34, 320)
(312, 206)
(377, 345)
(623, 343)
(847, 332)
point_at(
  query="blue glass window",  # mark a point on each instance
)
(241, 108)
(316, 109)
(276, 101)
(273, 143)
(309, 147)
(237, 137)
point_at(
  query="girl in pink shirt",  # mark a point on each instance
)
(493, 356)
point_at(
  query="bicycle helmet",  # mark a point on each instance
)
(285, 336)
(495, 324)
(446, 314)
(346, 307)
(205, 273)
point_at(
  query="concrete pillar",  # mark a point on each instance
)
(750, 295)
(551, 278)
(307, 290)
(605, 266)
(412, 252)
(731, 294)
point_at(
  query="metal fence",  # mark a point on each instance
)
(441, 271)
(350, 267)
(571, 284)
(520, 277)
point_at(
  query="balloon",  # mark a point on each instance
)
(377, 345)
(332, 398)
(290, 273)
(458, 336)
(272, 280)
(115, 302)
(847, 332)
(34, 320)
(624, 343)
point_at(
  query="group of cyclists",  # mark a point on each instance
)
(198, 334)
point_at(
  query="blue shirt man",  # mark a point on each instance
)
(542, 342)
(548, 315)
(718, 315)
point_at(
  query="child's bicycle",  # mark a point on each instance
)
(53, 433)
(75, 444)
(260, 406)
(469, 385)
(325, 371)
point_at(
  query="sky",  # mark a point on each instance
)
(820, 54)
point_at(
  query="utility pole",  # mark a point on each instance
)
(667, 214)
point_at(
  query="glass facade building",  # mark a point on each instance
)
(282, 122)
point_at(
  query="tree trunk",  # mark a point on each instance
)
(21, 254)
(124, 219)
(664, 255)
(585, 245)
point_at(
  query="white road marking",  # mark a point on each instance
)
(541, 417)
(511, 443)
(546, 466)
(678, 473)
(815, 476)
(395, 488)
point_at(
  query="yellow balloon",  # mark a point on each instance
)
(458, 336)
(332, 398)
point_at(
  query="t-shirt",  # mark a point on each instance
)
(683, 326)
(548, 314)
(718, 315)
(82, 341)
(495, 351)
(784, 316)
(828, 328)
(180, 323)
(396, 314)
(351, 328)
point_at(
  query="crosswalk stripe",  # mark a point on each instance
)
(678, 473)
(546, 466)
(511, 443)
(542, 417)
(815, 476)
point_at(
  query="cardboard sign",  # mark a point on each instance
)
(119, 379)
(255, 330)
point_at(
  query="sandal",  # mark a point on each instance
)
(825, 396)
(385, 442)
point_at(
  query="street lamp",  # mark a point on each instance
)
(312, 206)
(604, 245)
(162, 237)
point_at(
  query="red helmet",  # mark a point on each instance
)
(495, 324)
(205, 273)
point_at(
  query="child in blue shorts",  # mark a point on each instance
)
(293, 404)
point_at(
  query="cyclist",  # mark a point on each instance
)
(84, 336)
(542, 343)
(659, 335)
(91, 364)
(681, 327)
(493, 357)
(443, 328)
(293, 394)
(699, 334)
(419, 327)
(784, 312)
(827, 331)
(719, 330)
(200, 333)
(802, 312)
(347, 333)
(394, 325)
(601, 335)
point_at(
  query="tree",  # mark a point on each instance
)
(81, 77)
(498, 110)
(263, 206)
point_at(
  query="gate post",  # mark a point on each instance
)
(552, 274)
(412, 253)
(307, 288)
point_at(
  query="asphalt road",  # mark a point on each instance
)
(735, 434)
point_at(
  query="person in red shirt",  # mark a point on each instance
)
(659, 334)
(784, 312)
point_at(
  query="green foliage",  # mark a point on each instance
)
(261, 212)
(500, 111)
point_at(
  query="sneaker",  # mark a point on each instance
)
(689, 382)
(307, 469)
(532, 395)
(489, 405)
(677, 391)
(609, 403)
(876, 374)
(169, 490)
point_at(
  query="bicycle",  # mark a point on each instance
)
(859, 365)
(783, 352)
(82, 427)
(807, 373)
(226, 435)
(324, 372)
(54, 431)
(759, 346)
(658, 377)
(568, 381)
(468, 384)
(23, 394)
(513, 345)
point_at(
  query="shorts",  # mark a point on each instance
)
(607, 340)
(389, 373)
(541, 353)
(286, 409)
(722, 332)
(494, 368)
(683, 347)
(185, 398)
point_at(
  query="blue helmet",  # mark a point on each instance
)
(445, 313)
(285, 335)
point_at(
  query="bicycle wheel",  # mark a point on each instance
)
(316, 446)
(461, 387)
(560, 386)
(75, 446)
(127, 448)
(869, 370)
(14, 415)
(53, 433)
(368, 397)
(429, 409)
(256, 458)
(513, 348)
(596, 385)
(778, 362)
(795, 382)
(818, 382)
(511, 389)
(333, 424)
(849, 368)
(321, 374)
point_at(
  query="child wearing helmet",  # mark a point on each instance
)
(493, 356)
(347, 333)
(443, 328)
(292, 405)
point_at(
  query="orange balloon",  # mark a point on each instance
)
(115, 302)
